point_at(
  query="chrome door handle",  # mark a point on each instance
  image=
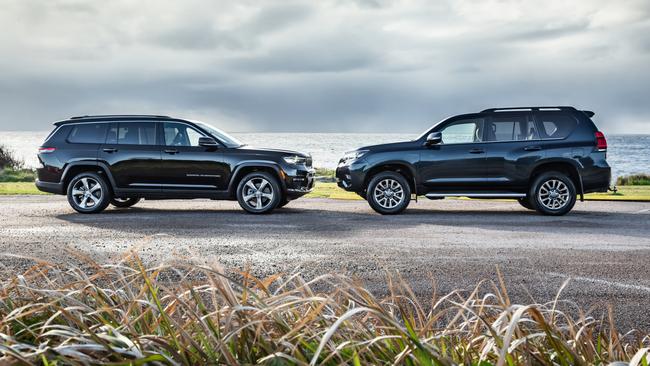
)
(110, 150)
(477, 151)
(532, 148)
(170, 151)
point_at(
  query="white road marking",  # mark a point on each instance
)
(601, 282)
(643, 211)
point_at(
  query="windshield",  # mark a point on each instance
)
(426, 132)
(223, 137)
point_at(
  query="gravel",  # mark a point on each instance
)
(604, 247)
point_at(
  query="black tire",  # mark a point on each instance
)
(553, 193)
(124, 202)
(248, 197)
(283, 203)
(525, 202)
(382, 184)
(88, 193)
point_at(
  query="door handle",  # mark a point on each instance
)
(477, 151)
(110, 150)
(532, 148)
(170, 151)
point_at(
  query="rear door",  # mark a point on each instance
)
(185, 164)
(133, 155)
(515, 147)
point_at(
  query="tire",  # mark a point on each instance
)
(553, 193)
(382, 193)
(283, 203)
(270, 194)
(88, 193)
(124, 202)
(525, 202)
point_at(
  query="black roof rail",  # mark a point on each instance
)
(119, 115)
(540, 108)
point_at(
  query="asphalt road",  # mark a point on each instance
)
(603, 246)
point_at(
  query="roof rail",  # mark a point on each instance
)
(541, 108)
(119, 115)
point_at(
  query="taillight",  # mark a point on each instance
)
(601, 142)
(46, 150)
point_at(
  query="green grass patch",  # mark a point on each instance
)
(18, 188)
(182, 314)
(17, 175)
(634, 180)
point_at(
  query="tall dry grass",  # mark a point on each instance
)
(195, 315)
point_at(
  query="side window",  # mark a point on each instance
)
(556, 125)
(88, 133)
(180, 134)
(462, 132)
(132, 133)
(511, 129)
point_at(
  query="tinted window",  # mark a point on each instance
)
(180, 134)
(88, 133)
(556, 125)
(511, 129)
(464, 131)
(132, 133)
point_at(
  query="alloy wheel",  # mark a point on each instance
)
(553, 194)
(388, 193)
(258, 193)
(87, 193)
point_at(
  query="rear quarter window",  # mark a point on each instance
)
(88, 133)
(556, 126)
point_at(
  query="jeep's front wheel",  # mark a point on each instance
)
(553, 193)
(88, 192)
(259, 193)
(388, 193)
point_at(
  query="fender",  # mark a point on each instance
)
(237, 172)
(89, 163)
(401, 163)
(575, 164)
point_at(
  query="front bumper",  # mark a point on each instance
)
(299, 182)
(351, 177)
(50, 187)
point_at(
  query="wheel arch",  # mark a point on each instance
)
(254, 166)
(77, 167)
(400, 167)
(567, 166)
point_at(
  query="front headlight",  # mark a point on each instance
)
(295, 159)
(351, 156)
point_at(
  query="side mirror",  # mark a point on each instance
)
(434, 138)
(208, 142)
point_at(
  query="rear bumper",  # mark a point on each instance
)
(596, 179)
(50, 187)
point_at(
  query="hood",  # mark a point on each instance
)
(388, 147)
(264, 150)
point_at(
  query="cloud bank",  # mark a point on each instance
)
(325, 66)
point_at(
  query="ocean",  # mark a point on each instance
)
(627, 154)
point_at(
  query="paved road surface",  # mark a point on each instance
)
(603, 246)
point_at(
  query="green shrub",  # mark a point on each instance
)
(8, 160)
(634, 180)
(17, 175)
(195, 315)
(325, 172)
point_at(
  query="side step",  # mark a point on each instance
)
(476, 195)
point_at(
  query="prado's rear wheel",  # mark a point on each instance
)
(259, 192)
(124, 202)
(553, 193)
(388, 193)
(88, 193)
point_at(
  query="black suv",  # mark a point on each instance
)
(119, 159)
(542, 156)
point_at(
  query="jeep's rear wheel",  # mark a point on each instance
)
(388, 193)
(553, 193)
(259, 192)
(124, 202)
(88, 192)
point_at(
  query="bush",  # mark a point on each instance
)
(8, 160)
(20, 175)
(634, 180)
(194, 315)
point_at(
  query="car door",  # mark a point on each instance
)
(132, 153)
(457, 163)
(185, 164)
(515, 146)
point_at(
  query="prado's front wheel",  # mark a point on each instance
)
(88, 193)
(259, 192)
(388, 193)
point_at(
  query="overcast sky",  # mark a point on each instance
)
(321, 65)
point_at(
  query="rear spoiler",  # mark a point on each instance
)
(589, 113)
